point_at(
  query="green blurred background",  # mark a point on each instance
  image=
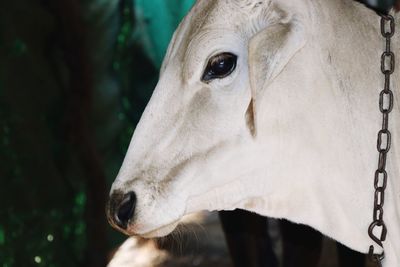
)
(75, 77)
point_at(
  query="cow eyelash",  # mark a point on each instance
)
(219, 66)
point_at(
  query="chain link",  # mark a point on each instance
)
(384, 139)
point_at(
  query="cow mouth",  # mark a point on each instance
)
(161, 231)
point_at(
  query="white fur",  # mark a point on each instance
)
(308, 71)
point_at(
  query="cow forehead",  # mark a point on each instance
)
(217, 10)
(228, 14)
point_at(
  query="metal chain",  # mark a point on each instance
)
(384, 141)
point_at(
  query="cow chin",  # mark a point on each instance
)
(162, 231)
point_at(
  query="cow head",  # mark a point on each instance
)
(198, 135)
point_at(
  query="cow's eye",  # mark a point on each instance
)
(219, 66)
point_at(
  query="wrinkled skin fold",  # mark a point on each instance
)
(290, 133)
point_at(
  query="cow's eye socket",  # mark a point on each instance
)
(219, 66)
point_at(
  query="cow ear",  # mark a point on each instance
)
(270, 51)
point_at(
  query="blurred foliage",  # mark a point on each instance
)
(153, 16)
(75, 77)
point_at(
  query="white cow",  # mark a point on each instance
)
(269, 106)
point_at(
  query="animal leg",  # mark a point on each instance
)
(302, 245)
(349, 258)
(248, 240)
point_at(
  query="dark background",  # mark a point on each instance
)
(75, 77)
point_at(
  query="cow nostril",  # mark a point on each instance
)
(125, 210)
